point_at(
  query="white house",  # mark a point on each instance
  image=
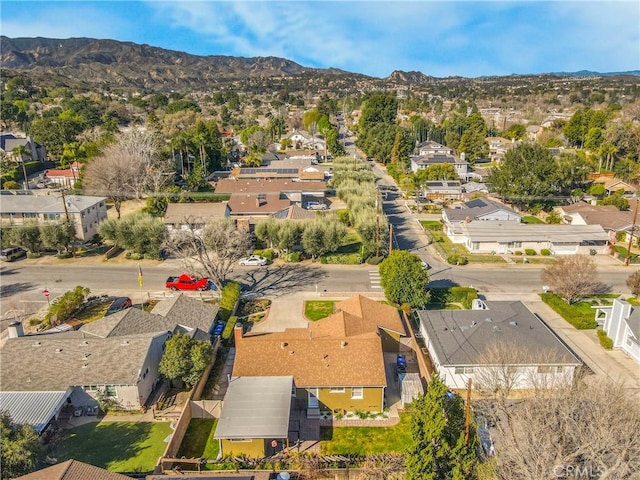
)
(458, 342)
(423, 161)
(621, 322)
(501, 237)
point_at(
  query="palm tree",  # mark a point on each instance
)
(19, 152)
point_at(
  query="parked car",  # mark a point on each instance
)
(12, 253)
(218, 329)
(316, 206)
(425, 265)
(118, 304)
(254, 260)
(187, 282)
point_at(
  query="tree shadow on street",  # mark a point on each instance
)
(281, 280)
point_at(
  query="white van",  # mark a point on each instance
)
(12, 253)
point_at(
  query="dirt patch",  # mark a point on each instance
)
(127, 207)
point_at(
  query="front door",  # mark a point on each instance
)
(312, 398)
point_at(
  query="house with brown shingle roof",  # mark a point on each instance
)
(73, 470)
(185, 216)
(256, 205)
(337, 363)
(613, 185)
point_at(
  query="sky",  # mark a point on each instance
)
(436, 37)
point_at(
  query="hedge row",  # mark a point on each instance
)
(16, 174)
(605, 341)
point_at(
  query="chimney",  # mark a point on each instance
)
(343, 344)
(15, 330)
(237, 333)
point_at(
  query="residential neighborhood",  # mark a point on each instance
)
(273, 272)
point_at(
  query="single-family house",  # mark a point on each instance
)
(443, 190)
(255, 416)
(337, 363)
(117, 357)
(429, 147)
(478, 209)
(614, 185)
(86, 212)
(186, 216)
(32, 152)
(471, 189)
(498, 147)
(256, 205)
(621, 323)
(459, 344)
(423, 161)
(63, 177)
(73, 470)
(608, 217)
(294, 212)
(296, 192)
(302, 139)
(533, 132)
(501, 237)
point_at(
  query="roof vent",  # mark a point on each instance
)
(496, 328)
(87, 355)
(488, 319)
(513, 324)
(58, 350)
(343, 344)
(124, 343)
(85, 365)
(446, 329)
(474, 323)
(84, 343)
(37, 344)
(283, 344)
(292, 352)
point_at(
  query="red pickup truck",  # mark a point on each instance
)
(187, 282)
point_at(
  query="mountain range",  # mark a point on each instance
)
(126, 64)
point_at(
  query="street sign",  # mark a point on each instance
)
(45, 292)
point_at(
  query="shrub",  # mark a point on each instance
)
(11, 185)
(294, 257)
(545, 252)
(605, 341)
(343, 258)
(620, 235)
(228, 299)
(67, 304)
(227, 333)
(268, 253)
(457, 260)
(517, 252)
(529, 252)
(323, 260)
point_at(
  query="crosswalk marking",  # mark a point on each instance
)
(374, 279)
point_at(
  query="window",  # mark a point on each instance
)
(90, 388)
(146, 372)
(110, 391)
(336, 390)
(475, 245)
(463, 370)
(294, 391)
(545, 369)
(357, 392)
(515, 244)
(239, 440)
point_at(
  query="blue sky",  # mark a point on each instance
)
(437, 37)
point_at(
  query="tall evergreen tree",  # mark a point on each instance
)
(439, 450)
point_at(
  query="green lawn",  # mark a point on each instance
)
(449, 248)
(530, 219)
(317, 309)
(199, 441)
(366, 440)
(578, 314)
(116, 446)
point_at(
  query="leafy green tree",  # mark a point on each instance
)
(442, 171)
(404, 279)
(597, 190)
(402, 146)
(516, 132)
(633, 282)
(59, 236)
(617, 199)
(138, 233)
(63, 307)
(28, 237)
(528, 174)
(185, 358)
(439, 450)
(473, 145)
(594, 138)
(313, 240)
(20, 450)
(180, 105)
(377, 125)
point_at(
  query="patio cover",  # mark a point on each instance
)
(256, 407)
(33, 408)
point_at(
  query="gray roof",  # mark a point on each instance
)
(33, 408)
(460, 337)
(634, 322)
(55, 362)
(256, 407)
(180, 310)
(507, 231)
(476, 208)
(47, 203)
(437, 159)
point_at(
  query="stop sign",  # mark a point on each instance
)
(45, 292)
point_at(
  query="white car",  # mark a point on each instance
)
(254, 260)
(425, 265)
(316, 206)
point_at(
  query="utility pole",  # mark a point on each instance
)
(66, 214)
(467, 414)
(633, 227)
(390, 238)
(377, 235)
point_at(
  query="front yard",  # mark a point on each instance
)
(315, 310)
(116, 446)
(366, 440)
(579, 314)
(448, 248)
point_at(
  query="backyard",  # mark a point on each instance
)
(367, 440)
(198, 442)
(116, 446)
